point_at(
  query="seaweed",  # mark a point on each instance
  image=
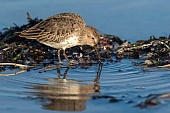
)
(17, 50)
(22, 51)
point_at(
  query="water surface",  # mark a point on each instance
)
(38, 91)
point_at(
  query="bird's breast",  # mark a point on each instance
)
(67, 43)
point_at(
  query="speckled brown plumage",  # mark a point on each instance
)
(63, 31)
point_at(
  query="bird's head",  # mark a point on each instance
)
(91, 36)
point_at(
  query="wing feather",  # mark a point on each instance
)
(55, 28)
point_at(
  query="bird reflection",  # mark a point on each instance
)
(67, 95)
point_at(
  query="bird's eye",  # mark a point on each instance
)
(92, 38)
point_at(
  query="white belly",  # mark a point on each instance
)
(70, 42)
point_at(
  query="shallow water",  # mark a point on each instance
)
(38, 91)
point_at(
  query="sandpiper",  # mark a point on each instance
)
(63, 31)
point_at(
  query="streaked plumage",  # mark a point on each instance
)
(63, 31)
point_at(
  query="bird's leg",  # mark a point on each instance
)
(65, 56)
(98, 72)
(59, 72)
(59, 59)
(98, 53)
(65, 73)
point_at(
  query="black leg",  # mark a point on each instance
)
(98, 72)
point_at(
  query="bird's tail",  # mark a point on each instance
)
(29, 34)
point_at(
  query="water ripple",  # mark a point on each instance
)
(119, 79)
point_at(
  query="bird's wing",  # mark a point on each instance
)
(54, 28)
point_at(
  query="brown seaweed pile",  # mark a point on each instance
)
(17, 50)
(14, 49)
(155, 51)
